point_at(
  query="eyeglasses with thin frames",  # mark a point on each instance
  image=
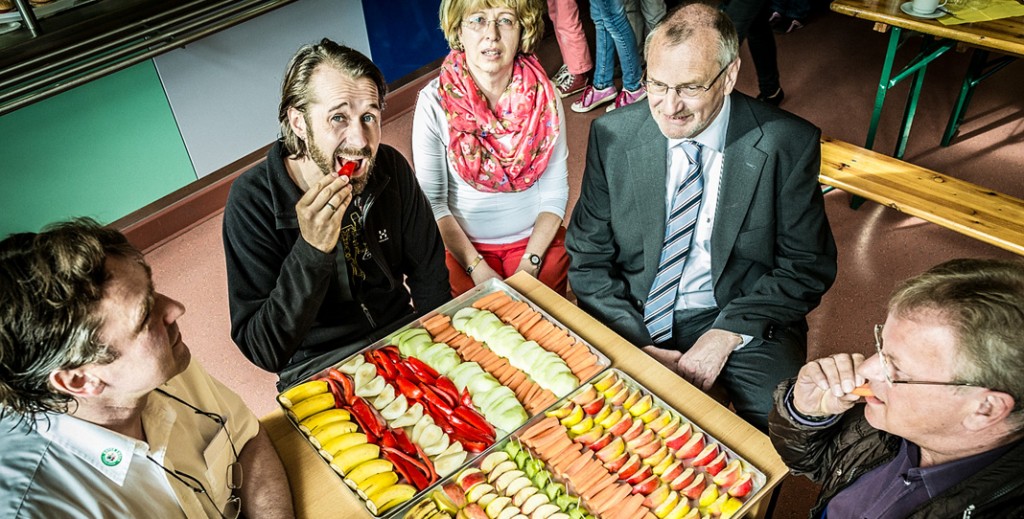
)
(890, 372)
(233, 507)
(691, 91)
(479, 23)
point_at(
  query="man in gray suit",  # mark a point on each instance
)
(720, 290)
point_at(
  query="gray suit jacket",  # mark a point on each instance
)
(772, 251)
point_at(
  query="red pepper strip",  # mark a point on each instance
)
(335, 388)
(436, 400)
(411, 468)
(347, 169)
(467, 399)
(471, 416)
(403, 441)
(464, 430)
(429, 464)
(388, 439)
(368, 420)
(347, 386)
(426, 374)
(385, 367)
(474, 446)
(409, 389)
(403, 371)
(444, 385)
(392, 352)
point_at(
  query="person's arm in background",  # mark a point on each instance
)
(265, 492)
(554, 194)
(429, 155)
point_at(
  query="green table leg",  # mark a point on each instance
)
(979, 70)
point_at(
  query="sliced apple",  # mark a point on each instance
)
(516, 485)
(653, 453)
(706, 456)
(633, 399)
(731, 506)
(670, 468)
(584, 425)
(676, 440)
(474, 511)
(680, 510)
(696, 487)
(615, 388)
(728, 475)
(561, 412)
(646, 436)
(674, 424)
(636, 429)
(503, 481)
(589, 437)
(496, 506)
(657, 495)
(612, 450)
(574, 417)
(500, 469)
(659, 422)
(486, 499)
(470, 477)
(708, 496)
(602, 442)
(669, 504)
(509, 512)
(477, 491)
(620, 395)
(594, 406)
(692, 447)
(630, 467)
(545, 511)
(618, 423)
(524, 493)
(606, 381)
(640, 475)
(742, 486)
(615, 464)
(647, 485)
(585, 394)
(683, 480)
(605, 412)
(716, 465)
(533, 502)
(649, 416)
(492, 459)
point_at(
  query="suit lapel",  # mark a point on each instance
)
(648, 166)
(742, 165)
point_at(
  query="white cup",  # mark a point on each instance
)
(926, 7)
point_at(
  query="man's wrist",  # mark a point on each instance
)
(802, 419)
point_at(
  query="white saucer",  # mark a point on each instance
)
(908, 7)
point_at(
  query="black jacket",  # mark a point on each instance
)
(291, 302)
(836, 455)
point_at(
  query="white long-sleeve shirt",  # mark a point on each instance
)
(485, 217)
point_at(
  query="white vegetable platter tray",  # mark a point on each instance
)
(758, 477)
(450, 308)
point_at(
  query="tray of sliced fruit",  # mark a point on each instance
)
(610, 449)
(510, 482)
(410, 409)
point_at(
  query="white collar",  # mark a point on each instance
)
(713, 137)
(111, 453)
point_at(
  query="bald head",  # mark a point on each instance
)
(696, 20)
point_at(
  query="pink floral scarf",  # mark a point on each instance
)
(526, 111)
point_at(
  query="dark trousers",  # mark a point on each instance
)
(751, 20)
(751, 373)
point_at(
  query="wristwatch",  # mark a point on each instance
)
(535, 260)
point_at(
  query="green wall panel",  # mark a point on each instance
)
(103, 150)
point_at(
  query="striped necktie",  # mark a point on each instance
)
(682, 221)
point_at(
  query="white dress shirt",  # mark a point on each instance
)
(695, 286)
(75, 468)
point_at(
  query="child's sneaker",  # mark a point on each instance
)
(571, 83)
(562, 72)
(626, 98)
(593, 97)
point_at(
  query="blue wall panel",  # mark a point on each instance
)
(404, 35)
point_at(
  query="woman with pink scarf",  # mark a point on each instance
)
(489, 147)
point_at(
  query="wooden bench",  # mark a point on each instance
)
(966, 208)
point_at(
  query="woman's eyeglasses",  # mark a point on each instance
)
(480, 24)
(233, 507)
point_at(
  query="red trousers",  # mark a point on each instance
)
(504, 258)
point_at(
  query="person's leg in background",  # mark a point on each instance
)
(751, 20)
(572, 42)
(643, 15)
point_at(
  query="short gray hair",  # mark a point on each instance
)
(685, 20)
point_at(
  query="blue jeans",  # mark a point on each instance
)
(614, 34)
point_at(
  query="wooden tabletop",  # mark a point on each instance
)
(1004, 35)
(319, 492)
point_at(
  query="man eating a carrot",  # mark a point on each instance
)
(929, 426)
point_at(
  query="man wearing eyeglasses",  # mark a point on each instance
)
(700, 232)
(104, 413)
(929, 426)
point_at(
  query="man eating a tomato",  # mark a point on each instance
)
(931, 424)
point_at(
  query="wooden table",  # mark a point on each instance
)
(319, 492)
(1003, 36)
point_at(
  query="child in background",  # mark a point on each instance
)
(613, 35)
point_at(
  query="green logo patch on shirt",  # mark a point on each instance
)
(111, 457)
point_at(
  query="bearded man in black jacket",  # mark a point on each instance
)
(939, 432)
(322, 238)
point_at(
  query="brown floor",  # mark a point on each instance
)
(829, 70)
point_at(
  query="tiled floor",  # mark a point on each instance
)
(829, 71)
